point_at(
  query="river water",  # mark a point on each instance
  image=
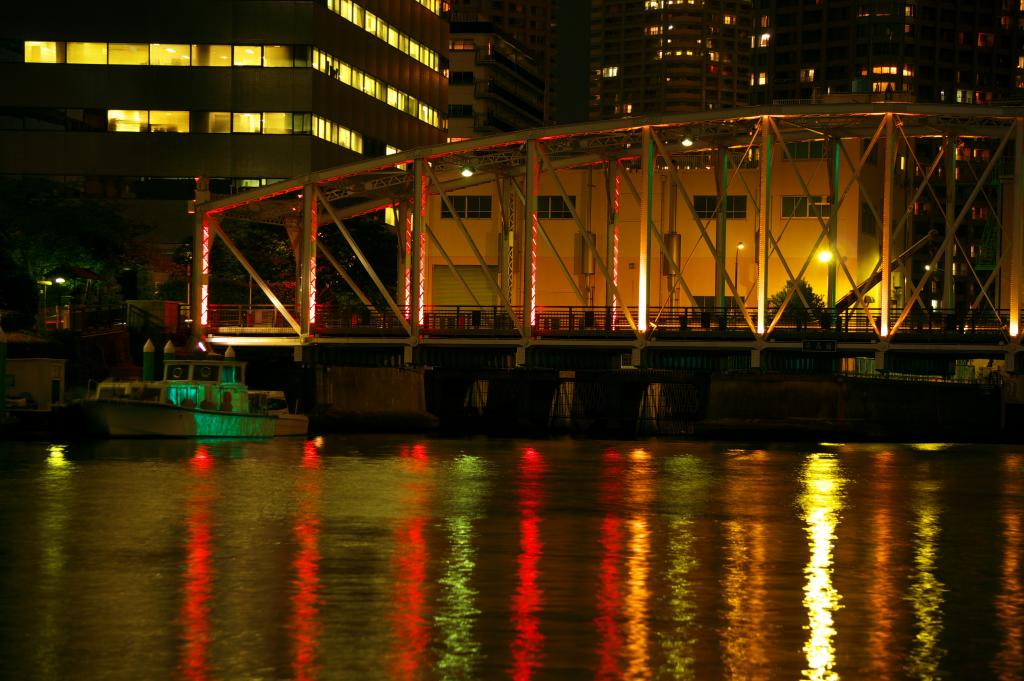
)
(383, 557)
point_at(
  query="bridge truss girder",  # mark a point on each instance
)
(633, 155)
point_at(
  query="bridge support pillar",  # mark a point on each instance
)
(755, 358)
(407, 355)
(880, 358)
(521, 356)
(635, 355)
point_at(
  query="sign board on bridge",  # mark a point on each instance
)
(819, 346)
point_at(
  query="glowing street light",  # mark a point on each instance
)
(824, 256)
(736, 266)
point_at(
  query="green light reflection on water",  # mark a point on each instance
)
(685, 493)
(459, 652)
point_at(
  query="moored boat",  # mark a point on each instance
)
(204, 397)
(286, 421)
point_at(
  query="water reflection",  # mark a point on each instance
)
(305, 599)
(883, 595)
(1009, 662)
(460, 652)
(198, 590)
(609, 594)
(410, 618)
(527, 647)
(639, 490)
(926, 591)
(821, 503)
(53, 530)
(685, 490)
(746, 638)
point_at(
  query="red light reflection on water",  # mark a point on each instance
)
(610, 595)
(195, 611)
(305, 601)
(411, 631)
(526, 602)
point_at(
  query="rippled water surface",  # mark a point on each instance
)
(378, 557)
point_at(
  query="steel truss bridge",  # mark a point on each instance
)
(603, 238)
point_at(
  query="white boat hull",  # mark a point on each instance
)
(125, 418)
(290, 425)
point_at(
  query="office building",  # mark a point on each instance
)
(495, 85)
(136, 101)
(668, 56)
(528, 23)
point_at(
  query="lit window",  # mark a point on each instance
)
(44, 52)
(127, 120)
(248, 55)
(729, 20)
(87, 53)
(168, 121)
(765, 40)
(277, 123)
(460, 45)
(762, 78)
(806, 75)
(245, 122)
(163, 54)
(211, 121)
(610, 71)
(129, 53)
(211, 55)
(277, 56)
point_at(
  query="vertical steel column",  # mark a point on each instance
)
(612, 187)
(887, 192)
(404, 232)
(529, 238)
(833, 225)
(763, 224)
(1016, 240)
(646, 197)
(722, 201)
(416, 283)
(200, 298)
(307, 262)
(949, 151)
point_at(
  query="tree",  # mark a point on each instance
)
(45, 226)
(804, 305)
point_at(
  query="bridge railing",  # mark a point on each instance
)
(945, 325)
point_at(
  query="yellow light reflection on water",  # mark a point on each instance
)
(640, 482)
(884, 597)
(931, 446)
(926, 591)
(746, 638)
(821, 503)
(53, 534)
(1009, 662)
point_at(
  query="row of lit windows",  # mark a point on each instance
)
(371, 23)
(165, 54)
(337, 134)
(369, 85)
(259, 122)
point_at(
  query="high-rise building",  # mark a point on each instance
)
(494, 84)
(136, 101)
(928, 51)
(528, 23)
(668, 56)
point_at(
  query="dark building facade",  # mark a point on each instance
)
(668, 56)
(495, 85)
(938, 51)
(530, 24)
(135, 101)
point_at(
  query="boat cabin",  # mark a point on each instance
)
(207, 384)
